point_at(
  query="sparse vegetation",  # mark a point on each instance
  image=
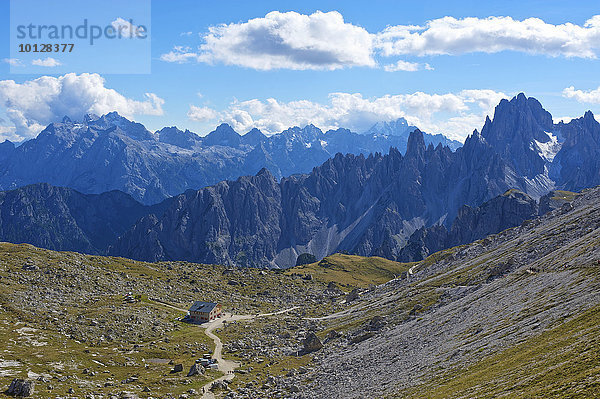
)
(352, 271)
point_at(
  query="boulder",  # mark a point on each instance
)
(331, 335)
(376, 323)
(332, 290)
(196, 369)
(353, 295)
(311, 343)
(218, 385)
(20, 387)
(177, 368)
(362, 337)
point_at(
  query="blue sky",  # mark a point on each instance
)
(445, 82)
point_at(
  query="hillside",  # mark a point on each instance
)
(351, 271)
(513, 315)
(69, 310)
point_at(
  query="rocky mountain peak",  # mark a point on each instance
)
(87, 118)
(589, 117)
(518, 125)
(223, 135)
(307, 134)
(254, 137)
(264, 172)
(398, 127)
(174, 136)
(131, 129)
(416, 144)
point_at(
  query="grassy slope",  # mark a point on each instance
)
(34, 342)
(352, 271)
(562, 362)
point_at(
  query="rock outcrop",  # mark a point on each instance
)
(20, 387)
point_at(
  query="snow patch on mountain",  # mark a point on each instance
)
(549, 149)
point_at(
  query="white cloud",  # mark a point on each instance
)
(127, 29)
(323, 40)
(453, 114)
(179, 54)
(406, 66)
(33, 104)
(8, 133)
(46, 62)
(289, 40)
(201, 114)
(453, 36)
(582, 96)
(13, 61)
(564, 119)
(186, 33)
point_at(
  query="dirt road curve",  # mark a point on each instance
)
(227, 367)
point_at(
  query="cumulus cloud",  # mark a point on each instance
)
(582, 96)
(46, 62)
(8, 133)
(454, 36)
(33, 104)
(453, 114)
(406, 66)
(201, 114)
(288, 40)
(323, 40)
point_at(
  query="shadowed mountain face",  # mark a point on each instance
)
(397, 206)
(474, 223)
(350, 203)
(64, 219)
(112, 153)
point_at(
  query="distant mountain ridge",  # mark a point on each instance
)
(110, 152)
(401, 128)
(64, 219)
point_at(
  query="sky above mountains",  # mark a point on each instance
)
(442, 66)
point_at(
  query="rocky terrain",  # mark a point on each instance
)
(108, 153)
(473, 223)
(86, 326)
(513, 314)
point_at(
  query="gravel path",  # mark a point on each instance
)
(227, 367)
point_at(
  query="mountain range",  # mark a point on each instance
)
(110, 152)
(371, 205)
(399, 206)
